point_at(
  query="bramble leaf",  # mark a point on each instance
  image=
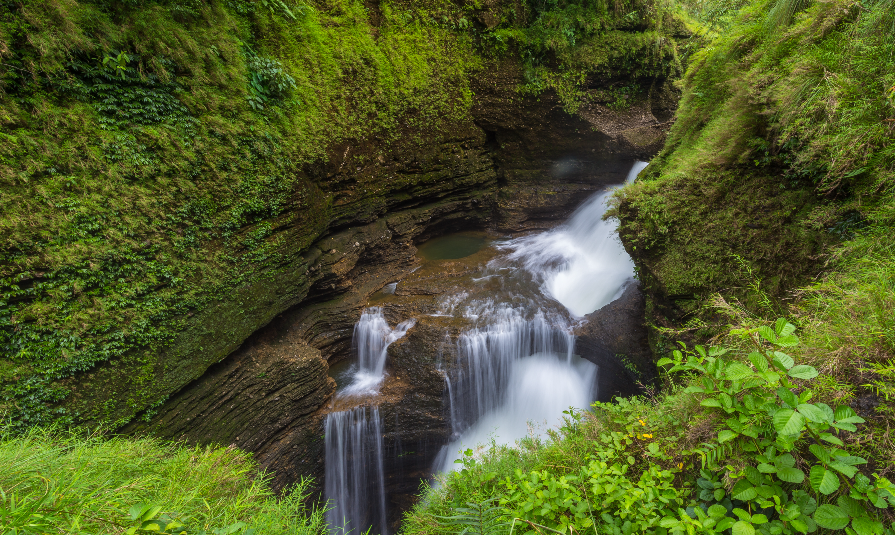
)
(802, 371)
(788, 422)
(823, 480)
(743, 528)
(830, 517)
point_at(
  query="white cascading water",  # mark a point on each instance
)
(354, 475)
(517, 371)
(370, 342)
(582, 263)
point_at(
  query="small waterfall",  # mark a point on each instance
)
(489, 354)
(582, 263)
(516, 369)
(355, 479)
(354, 474)
(370, 342)
(514, 373)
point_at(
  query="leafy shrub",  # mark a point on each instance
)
(742, 450)
(770, 418)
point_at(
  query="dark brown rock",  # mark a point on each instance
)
(615, 339)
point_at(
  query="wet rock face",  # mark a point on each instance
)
(615, 339)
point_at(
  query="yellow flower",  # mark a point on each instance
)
(680, 465)
(641, 422)
(647, 436)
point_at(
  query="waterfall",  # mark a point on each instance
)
(370, 342)
(515, 376)
(354, 475)
(582, 263)
(516, 371)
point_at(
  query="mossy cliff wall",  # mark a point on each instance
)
(781, 148)
(176, 174)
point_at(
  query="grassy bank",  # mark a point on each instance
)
(55, 482)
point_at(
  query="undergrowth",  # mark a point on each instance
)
(61, 482)
(780, 150)
(748, 440)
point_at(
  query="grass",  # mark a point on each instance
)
(63, 482)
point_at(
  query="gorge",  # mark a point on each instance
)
(353, 238)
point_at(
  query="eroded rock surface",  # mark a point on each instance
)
(615, 339)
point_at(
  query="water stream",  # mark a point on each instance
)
(515, 369)
(354, 476)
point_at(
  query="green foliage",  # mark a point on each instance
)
(780, 149)
(769, 416)
(744, 448)
(55, 482)
(153, 153)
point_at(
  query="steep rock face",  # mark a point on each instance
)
(615, 339)
(548, 160)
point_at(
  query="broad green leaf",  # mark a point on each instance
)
(850, 459)
(830, 517)
(788, 340)
(717, 351)
(802, 371)
(710, 402)
(784, 461)
(831, 438)
(846, 415)
(767, 333)
(791, 475)
(799, 525)
(784, 360)
(719, 494)
(787, 396)
(778, 326)
(851, 506)
(743, 528)
(820, 452)
(864, 525)
(849, 471)
(743, 491)
(758, 360)
(726, 435)
(788, 422)
(694, 389)
(784, 328)
(845, 426)
(759, 519)
(823, 480)
(737, 371)
(663, 361)
(717, 511)
(724, 524)
(668, 522)
(812, 413)
(766, 468)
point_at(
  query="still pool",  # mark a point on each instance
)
(453, 246)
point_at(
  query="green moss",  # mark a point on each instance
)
(161, 163)
(782, 139)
